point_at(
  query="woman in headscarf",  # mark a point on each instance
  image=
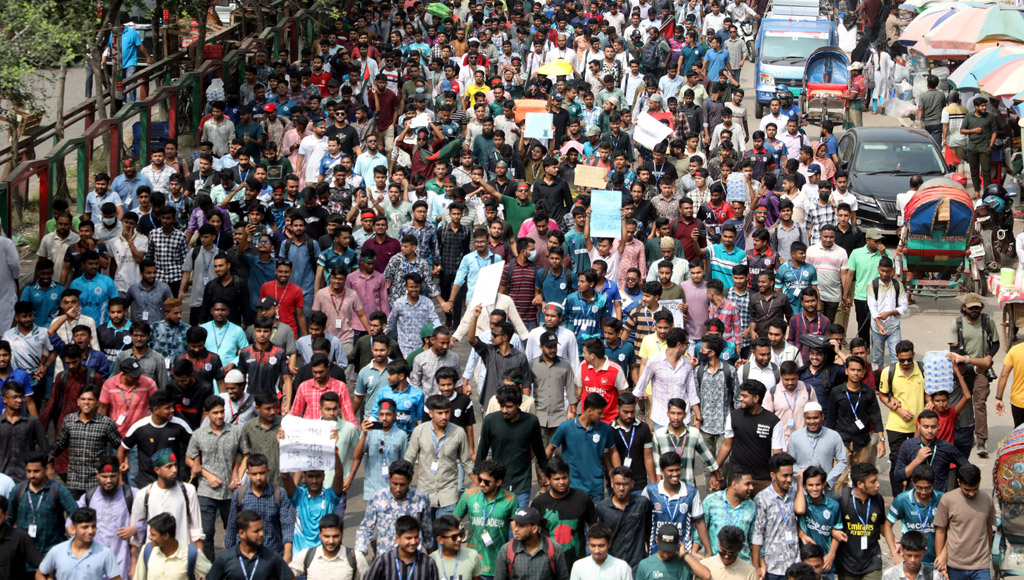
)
(828, 168)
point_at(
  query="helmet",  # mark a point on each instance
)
(996, 203)
(959, 178)
(994, 189)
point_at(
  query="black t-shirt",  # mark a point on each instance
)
(263, 369)
(73, 256)
(752, 441)
(631, 444)
(112, 340)
(566, 521)
(188, 406)
(860, 520)
(462, 411)
(305, 373)
(561, 122)
(149, 439)
(316, 220)
(347, 135)
(207, 368)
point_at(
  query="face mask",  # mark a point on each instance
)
(419, 90)
(109, 222)
(824, 196)
(702, 358)
(533, 254)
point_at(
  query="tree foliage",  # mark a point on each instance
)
(33, 38)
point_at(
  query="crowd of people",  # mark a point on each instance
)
(326, 243)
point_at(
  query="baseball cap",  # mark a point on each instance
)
(268, 302)
(668, 538)
(270, 108)
(427, 330)
(528, 516)
(872, 234)
(549, 339)
(593, 131)
(132, 368)
(814, 169)
(973, 299)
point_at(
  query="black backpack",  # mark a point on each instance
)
(986, 334)
(129, 499)
(729, 383)
(350, 555)
(22, 488)
(649, 55)
(896, 284)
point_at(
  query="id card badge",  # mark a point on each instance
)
(337, 324)
(384, 471)
(628, 462)
(790, 423)
(31, 530)
(859, 424)
(486, 537)
(863, 542)
(145, 315)
(434, 466)
(206, 280)
(121, 418)
(788, 537)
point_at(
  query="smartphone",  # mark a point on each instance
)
(377, 425)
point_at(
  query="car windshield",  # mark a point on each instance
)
(789, 49)
(899, 158)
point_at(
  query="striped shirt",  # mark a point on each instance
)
(519, 283)
(829, 263)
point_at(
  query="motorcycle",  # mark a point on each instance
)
(747, 33)
(994, 213)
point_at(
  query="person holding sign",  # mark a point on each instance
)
(311, 500)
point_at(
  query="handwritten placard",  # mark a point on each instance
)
(539, 126)
(675, 307)
(307, 444)
(589, 176)
(606, 213)
(524, 106)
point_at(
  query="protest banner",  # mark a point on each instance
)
(539, 126)
(650, 131)
(674, 306)
(487, 282)
(307, 444)
(588, 176)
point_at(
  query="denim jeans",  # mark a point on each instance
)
(523, 499)
(208, 510)
(958, 574)
(129, 71)
(133, 466)
(342, 506)
(436, 512)
(882, 342)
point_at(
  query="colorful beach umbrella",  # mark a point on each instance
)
(924, 22)
(982, 63)
(974, 26)
(1005, 81)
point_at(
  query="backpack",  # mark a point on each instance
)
(22, 488)
(729, 383)
(745, 373)
(193, 555)
(896, 283)
(311, 553)
(128, 498)
(240, 493)
(184, 492)
(892, 374)
(649, 56)
(282, 252)
(986, 334)
(807, 388)
(549, 546)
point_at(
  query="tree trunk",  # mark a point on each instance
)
(18, 194)
(62, 79)
(158, 44)
(201, 41)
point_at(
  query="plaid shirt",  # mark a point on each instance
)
(817, 216)
(729, 314)
(451, 246)
(169, 340)
(742, 303)
(799, 326)
(691, 443)
(169, 254)
(85, 443)
(278, 519)
(307, 399)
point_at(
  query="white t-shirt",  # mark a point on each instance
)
(313, 148)
(127, 268)
(848, 198)
(902, 199)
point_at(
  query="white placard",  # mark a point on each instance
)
(673, 306)
(650, 131)
(487, 282)
(307, 444)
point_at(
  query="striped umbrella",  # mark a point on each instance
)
(982, 63)
(973, 26)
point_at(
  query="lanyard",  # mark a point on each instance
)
(337, 305)
(437, 448)
(682, 442)
(282, 295)
(35, 508)
(128, 400)
(455, 573)
(658, 172)
(398, 569)
(729, 511)
(673, 513)
(852, 406)
(867, 513)
(792, 405)
(785, 512)
(632, 435)
(223, 335)
(234, 411)
(206, 263)
(252, 574)
(813, 441)
(391, 441)
(923, 519)
(932, 458)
